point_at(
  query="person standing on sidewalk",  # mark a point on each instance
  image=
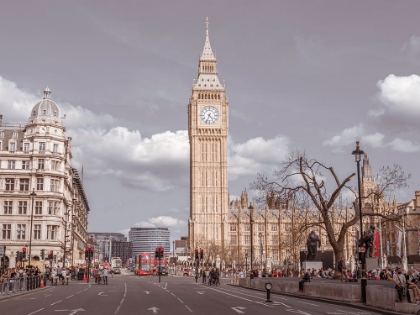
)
(343, 269)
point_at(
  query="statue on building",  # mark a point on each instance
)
(313, 242)
(368, 239)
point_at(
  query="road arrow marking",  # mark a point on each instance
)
(147, 292)
(154, 309)
(238, 309)
(200, 292)
(100, 293)
(76, 310)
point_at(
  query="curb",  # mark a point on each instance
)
(313, 298)
(12, 296)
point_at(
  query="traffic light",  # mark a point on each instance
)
(43, 254)
(24, 253)
(91, 249)
(18, 256)
(196, 254)
(51, 255)
(201, 254)
(87, 253)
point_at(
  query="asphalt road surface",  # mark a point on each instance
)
(128, 294)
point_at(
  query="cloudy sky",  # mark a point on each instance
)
(313, 75)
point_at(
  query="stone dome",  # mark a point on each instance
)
(46, 107)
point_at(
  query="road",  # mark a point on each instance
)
(128, 294)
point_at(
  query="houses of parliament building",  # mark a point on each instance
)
(222, 226)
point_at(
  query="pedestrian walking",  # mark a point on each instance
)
(343, 269)
(105, 275)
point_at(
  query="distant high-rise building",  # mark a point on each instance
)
(145, 240)
(105, 242)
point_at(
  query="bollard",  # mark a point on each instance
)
(268, 288)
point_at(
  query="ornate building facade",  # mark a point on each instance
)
(43, 203)
(208, 131)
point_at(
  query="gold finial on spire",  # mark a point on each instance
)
(207, 26)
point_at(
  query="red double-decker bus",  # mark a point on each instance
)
(144, 264)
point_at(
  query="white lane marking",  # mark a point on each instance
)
(154, 309)
(308, 303)
(200, 292)
(238, 309)
(100, 294)
(239, 297)
(69, 296)
(297, 311)
(122, 301)
(79, 292)
(188, 308)
(147, 292)
(180, 300)
(47, 295)
(57, 302)
(256, 293)
(36, 311)
(173, 294)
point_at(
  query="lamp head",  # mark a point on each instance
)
(358, 153)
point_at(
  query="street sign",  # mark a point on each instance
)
(362, 249)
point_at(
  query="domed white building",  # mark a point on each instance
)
(43, 206)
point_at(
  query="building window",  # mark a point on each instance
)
(274, 239)
(8, 205)
(21, 231)
(42, 146)
(23, 207)
(275, 255)
(12, 146)
(38, 207)
(25, 165)
(37, 231)
(10, 184)
(24, 184)
(1, 145)
(233, 240)
(55, 148)
(11, 164)
(55, 165)
(41, 164)
(233, 227)
(54, 184)
(51, 207)
(261, 240)
(260, 228)
(273, 228)
(26, 147)
(15, 135)
(39, 184)
(52, 232)
(7, 231)
(247, 240)
(1, 134)
(247, 228)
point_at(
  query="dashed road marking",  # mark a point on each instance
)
(188, 308)
(36, 311)
(57, 302)
(180, 300)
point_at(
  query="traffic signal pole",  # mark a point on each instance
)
(159, 271)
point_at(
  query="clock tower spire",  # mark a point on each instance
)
(208, 131)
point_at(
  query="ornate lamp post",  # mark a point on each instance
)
(358, 156)
(260, 235)
(251, 222)
(32, 194)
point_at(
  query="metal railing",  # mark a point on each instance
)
(14, 285)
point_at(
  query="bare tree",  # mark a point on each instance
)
(309, 186)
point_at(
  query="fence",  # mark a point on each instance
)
(14, 285)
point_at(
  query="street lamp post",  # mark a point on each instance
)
(246, 262)
(251, 222)
(358, 156)
(260, 235)
(32, 194)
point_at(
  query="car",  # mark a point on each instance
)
(116, 271)
(163, 271)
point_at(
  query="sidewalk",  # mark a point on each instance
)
(20, 293)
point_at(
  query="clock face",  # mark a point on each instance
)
(209, 115)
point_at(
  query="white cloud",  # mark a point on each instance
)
(404, 145)
(375, 140)
(162, 221)
(346, 137)
(412, 48)
(256, 155)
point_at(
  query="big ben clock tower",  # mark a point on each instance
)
(208, 131)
